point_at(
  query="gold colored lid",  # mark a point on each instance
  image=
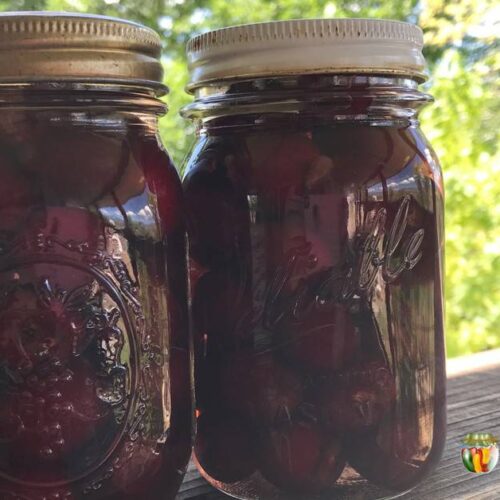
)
(60, 46)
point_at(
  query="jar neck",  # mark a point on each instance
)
(115, 110)
(306, 100)
(78, 95)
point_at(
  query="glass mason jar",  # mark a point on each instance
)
(316, 247)
(94, 350)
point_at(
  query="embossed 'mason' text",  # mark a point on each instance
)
(377, 249)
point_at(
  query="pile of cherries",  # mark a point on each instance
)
(285, 407)
(55, 424)
(293, 398)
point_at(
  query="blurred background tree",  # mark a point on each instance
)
(462, 45)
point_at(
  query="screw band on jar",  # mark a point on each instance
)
(312, 46)
(55, 47)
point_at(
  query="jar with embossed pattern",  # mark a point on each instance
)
(95, 399)
(315, 220)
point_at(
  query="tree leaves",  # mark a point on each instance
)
(463, 124)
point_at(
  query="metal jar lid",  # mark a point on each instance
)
(309, 46)
(55, 47)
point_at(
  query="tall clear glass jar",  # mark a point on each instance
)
(94, 349)
(316, 256)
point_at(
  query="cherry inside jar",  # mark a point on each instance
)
(315, 231)
(94, 372)
(93, 342)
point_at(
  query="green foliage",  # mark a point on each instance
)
(463, 124)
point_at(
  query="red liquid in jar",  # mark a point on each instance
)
(94, 353)
(315, 255)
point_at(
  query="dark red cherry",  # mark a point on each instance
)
(217, 206)
(74, 401)
(67, 232)
(16, 188)
(58, 415)
(221, 306)
(331, 464)
(284, 159)
(357, 157)
(257, 386)
(207, 378)
(299, 458)
(358, 399)
(162, 180)
(324, 253)
(225, 447)
(289, 456)
(372, 455)
(17, 197)
(327, 342)
(64, 152)
(139, 472)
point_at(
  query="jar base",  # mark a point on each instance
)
(350, 486)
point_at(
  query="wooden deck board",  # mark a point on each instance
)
(473, 405)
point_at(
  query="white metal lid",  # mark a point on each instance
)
(307, 46)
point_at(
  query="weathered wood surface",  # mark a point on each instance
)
(473, 406)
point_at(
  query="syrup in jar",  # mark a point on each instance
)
(94, 350)
(315, 211)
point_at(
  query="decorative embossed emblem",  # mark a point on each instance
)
(72, 339)
(61, 372)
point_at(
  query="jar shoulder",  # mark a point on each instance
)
(320, 159)
(113, 164)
